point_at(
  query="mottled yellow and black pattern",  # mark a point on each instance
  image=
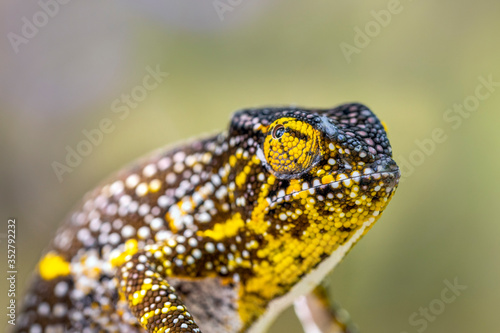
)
(220, 234)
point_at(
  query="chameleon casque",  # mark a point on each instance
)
(220, 234)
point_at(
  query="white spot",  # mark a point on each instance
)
(171, 242)
(347, 182)
(209, 204)
(125, 200)
(180, 249)
(103, 238)
(94, 224)
(204, 217)
(114, 238)
(117, 187)
(197, 168)
(210, 247)
(61, 289)
(157, 223)
(178, 167)
(164, 163)
(83, 235)
(111, 209)
(195, 179)
(164, 201)
(171, 177)
(155, 211)
(168, 251)
(216, 180)
(142, 189)
(81, 218)
(197, 253)
(105, 228)
(190, 160)
(59, 310)
(163, 235)
(179, 156)
(117, 224)
(193, 242)
(143, 232)
(341, 176)
(128, 231)
(132, 181)
(149, 170)
(221, 193)
(143, 209)
(43, 309)
(36, 328)
(187, 206)
(133, 206)
(206, 158)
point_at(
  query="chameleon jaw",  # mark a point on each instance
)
(390, 179)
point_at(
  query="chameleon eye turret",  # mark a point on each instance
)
(220, 234)
(292, 147)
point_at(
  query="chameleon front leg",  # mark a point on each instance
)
(152, 300)
(318, 315)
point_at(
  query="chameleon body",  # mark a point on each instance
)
(220, 234)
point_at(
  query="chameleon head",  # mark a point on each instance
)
(336, 164)
(323, 180)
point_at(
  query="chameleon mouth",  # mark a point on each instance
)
(390, 181)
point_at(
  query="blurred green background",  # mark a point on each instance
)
(441, 225)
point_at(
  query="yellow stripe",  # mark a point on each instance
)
(224, 230)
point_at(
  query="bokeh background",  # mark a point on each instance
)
(443, 223)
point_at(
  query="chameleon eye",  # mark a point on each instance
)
(291, 146)
(278, 131)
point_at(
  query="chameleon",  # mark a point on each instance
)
(218, 234)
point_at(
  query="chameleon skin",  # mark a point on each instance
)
(219, 234)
